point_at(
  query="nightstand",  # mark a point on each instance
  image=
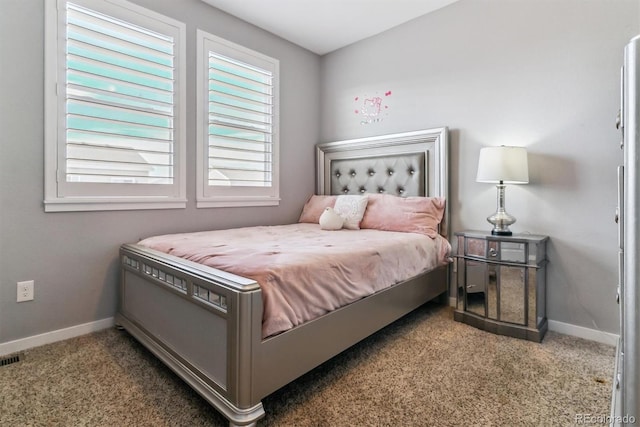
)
(501, 283)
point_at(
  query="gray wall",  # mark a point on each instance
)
(73, 256)
(543, 74)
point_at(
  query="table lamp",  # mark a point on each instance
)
(502, 165)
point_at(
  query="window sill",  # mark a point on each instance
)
(77, 205)
(235, 202)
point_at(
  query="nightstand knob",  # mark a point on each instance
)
(493, 252)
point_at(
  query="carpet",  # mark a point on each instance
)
(423, 370)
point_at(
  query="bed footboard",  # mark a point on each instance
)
(199, 321)
(206, 325)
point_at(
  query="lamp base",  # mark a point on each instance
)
(501, 220)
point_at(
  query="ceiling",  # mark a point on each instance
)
(322, 26)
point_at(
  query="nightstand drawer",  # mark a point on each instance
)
(513, 252)
(493, 250)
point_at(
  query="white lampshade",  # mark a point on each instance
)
(506, 164)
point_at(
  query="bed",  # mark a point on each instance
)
(206, 324)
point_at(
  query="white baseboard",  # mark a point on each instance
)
(53, 336)
(582, 332)
(573, 330)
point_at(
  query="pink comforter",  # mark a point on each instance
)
(305, 272)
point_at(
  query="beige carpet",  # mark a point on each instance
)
(424, 370)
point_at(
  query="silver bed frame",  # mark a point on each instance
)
(206, 324)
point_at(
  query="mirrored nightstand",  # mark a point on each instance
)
(501, 283)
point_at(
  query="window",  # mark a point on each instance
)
(237, 125)
(114, 107)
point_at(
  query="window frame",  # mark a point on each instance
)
(233, 196)
(118, 196)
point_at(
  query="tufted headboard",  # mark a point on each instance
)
(404, 164)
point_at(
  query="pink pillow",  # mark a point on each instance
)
(408, 214)
(315, 206)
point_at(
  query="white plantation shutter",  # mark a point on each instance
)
(119, 101)
(240, 123)
(237, 125)
(120, 134)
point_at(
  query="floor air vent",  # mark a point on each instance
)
(8, 360)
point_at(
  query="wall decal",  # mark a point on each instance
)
(371, 109)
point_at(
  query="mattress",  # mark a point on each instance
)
(304, 271)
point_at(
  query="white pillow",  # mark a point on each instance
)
(351, 208)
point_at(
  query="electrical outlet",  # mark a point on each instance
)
(25, 291)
